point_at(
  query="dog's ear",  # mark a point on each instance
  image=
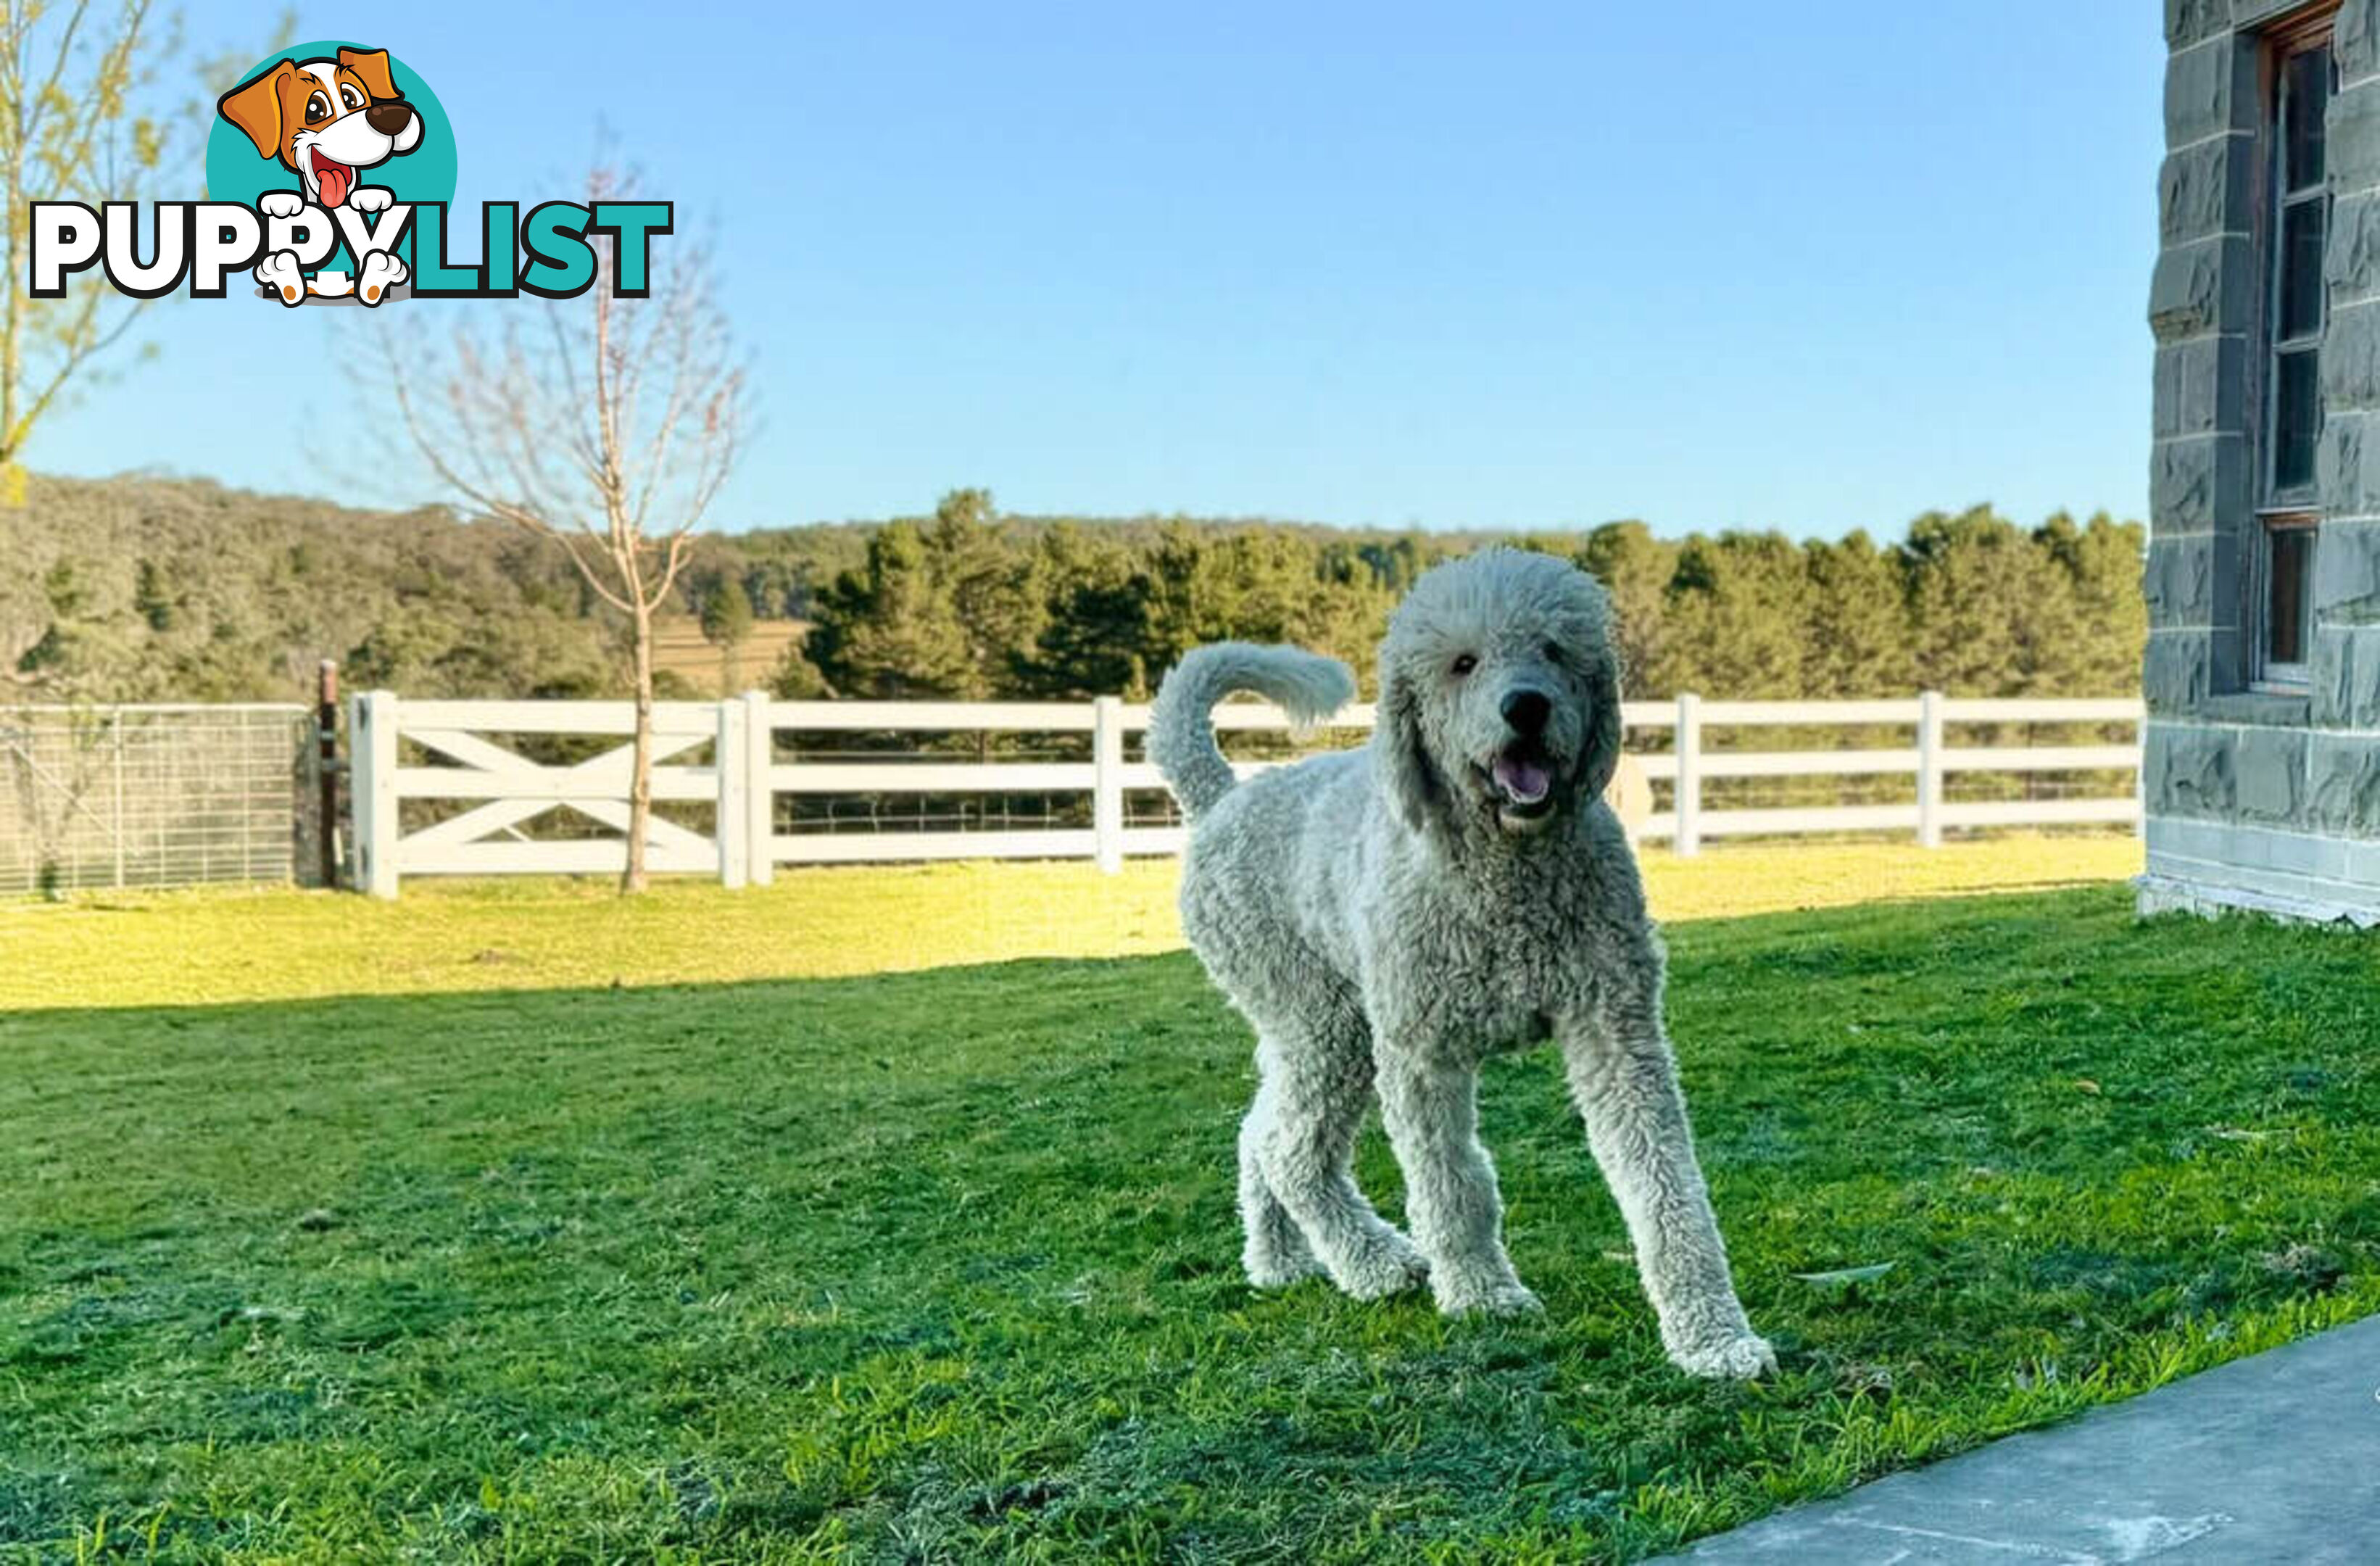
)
(1411, 778)
(372, 66)
(1601, 758)
(255, 107)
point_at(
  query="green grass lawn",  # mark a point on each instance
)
(235, 943)
(941, 1265)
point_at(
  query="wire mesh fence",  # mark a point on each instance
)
(153, 795)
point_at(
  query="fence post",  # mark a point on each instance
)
(1687, 795)
(1107, 782)
(371, 742)
(1929, 769)
(117, 722)
(326, 765)
(731, 771)
(759, 790)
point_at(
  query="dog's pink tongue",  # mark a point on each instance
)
(1525, 781)
(335, 178)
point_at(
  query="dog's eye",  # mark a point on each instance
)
(318, 107)
(1463, 664)
(350, 97)
(1553, 652)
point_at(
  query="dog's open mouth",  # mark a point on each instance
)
(1523, 777)
(335, 178)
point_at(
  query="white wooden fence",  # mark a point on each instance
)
(742, 778)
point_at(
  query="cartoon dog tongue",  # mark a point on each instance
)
(335, 179)
(1525, 780)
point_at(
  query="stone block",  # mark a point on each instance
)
(2210, 87)
(2230, 665)
(2347, 464)
(2204, 285)
(2269, 770)
(2351, 133)
(2178, 581)
(2198, 483)
(2200, 386)
(2174, 670)
(2345, 676)
(2343, 785)
(2351, 261)
(2354, 40)
(2204, 189)
(2350, 357)
(2187, 771)
(2347, 573)
(2192, 22)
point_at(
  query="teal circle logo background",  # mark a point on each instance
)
(235, 172)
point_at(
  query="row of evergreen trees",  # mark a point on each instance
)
(966, 606)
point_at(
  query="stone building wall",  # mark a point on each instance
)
(2254, 799)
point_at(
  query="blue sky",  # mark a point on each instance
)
(1803, 267)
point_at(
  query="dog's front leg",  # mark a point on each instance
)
(1625, 1083)
(1430, 1106)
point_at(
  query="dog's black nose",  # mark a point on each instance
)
(389, 117)
(1527, 711)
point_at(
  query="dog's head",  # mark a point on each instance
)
(1500, 694)
(325, 119)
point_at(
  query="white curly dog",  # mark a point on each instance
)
(1389, 917)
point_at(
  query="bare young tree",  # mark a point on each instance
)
(606, 424)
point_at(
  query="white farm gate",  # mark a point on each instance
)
(517, 787)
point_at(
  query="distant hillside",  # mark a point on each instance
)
(145, 589)
(150, 589)
(154, 589)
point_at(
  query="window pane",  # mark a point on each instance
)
(2286, 595)
(2305, 89)
(2297, 417)
(2301, 233)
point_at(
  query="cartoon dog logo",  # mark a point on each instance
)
(326, 120)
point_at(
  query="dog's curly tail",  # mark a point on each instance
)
(1307, 685)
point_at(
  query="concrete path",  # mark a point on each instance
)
(2274, 1458)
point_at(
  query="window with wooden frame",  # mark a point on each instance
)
(2297, 222)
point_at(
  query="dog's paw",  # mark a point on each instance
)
(278, 272)
(1740, 1358)
(1279, 1272)
(1507, 1296)
(1388, 1266)
(382, 272)
(370, 197)
(280, 204)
